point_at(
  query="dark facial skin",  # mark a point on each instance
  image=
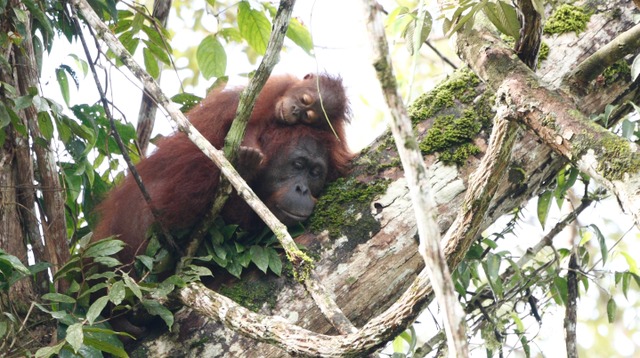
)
(290, 184)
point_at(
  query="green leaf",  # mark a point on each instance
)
(129, 42)
(133, 286)
(235, 269)
(107, 347)
(260, 257)
(75, 336)
(254, 27)
(146, 261)
(155, 308)
(58, 297)
(150, 63)
(460, 20)
(96, 308)
(212, 58)
(275, 262)
(46, 125)
(104, 248)
(158, 52)
(220, 251)
(14, 263)
(5, 119)
(504, 17)
(300, 35)
(603, 245)
(628, 128)
(23, 102)
(63, 82)
(611, 310)
(626, 280)
(492, 269)
(46, 352)
(84, 66)
(544, 204)
(409, 33)
(561, 291)
(631, 262)
(117, 292)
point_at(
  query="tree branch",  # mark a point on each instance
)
(148, 108)
(626, 43)
(554, 117)
(528, 45)
(419, 187)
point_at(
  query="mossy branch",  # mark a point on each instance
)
(627, 43)
(419, 187)
(554, 117)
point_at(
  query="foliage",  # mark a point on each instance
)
(89, 162)
(92, 272)
(233, 249)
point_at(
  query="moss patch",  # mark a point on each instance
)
(567, 18)
(252, 294)
(619, 70)
(345, 207)
(454, 130)
(543, 54)
(615, 157)
(459, 86)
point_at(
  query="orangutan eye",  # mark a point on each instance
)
(311, 115)
(306, 99)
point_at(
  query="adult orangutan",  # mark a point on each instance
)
(287, 156)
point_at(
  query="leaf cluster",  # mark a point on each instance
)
(251, 25)
(233, 249)
(97, 282)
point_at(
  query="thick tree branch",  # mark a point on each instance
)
(554, 117)
(54, 224)
(571, 310)
(528, 45)
(623, 45)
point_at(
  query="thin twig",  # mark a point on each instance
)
(419, 188)
(167, 238)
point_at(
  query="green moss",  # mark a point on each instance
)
(567, 18)
(543, 54)
(374, 160)
(454, 130)
(452, 138)
(330, 212)
(614, 155)
(251, 294)
(619, 70)
(459, 86)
